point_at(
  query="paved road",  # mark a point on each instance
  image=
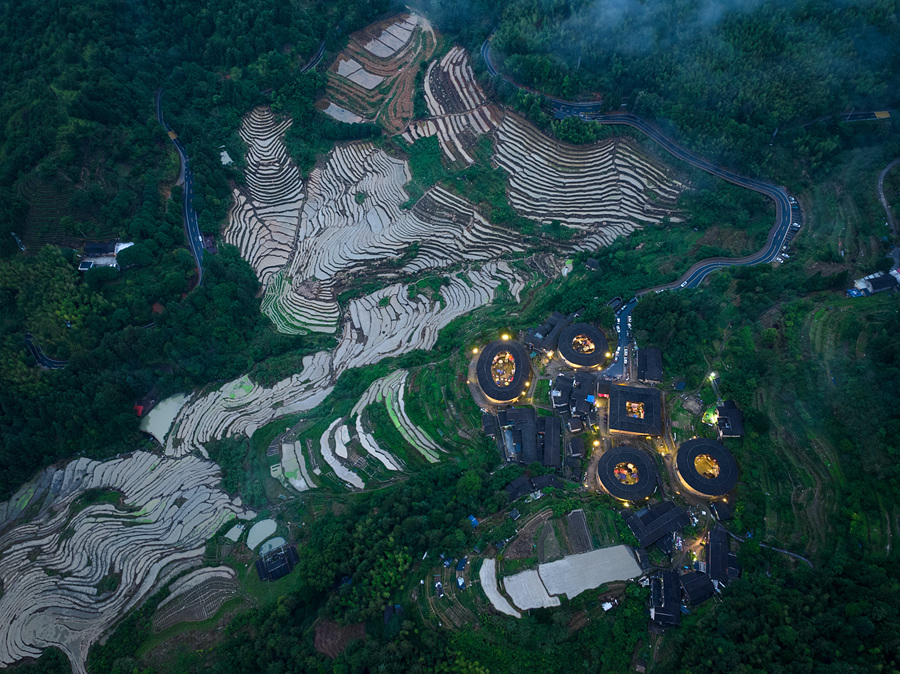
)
(699, 271)
(617, 369)
(38, 355)
(315, 59)
(887, 210)
(191, 225)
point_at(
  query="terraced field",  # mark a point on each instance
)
(603, 190)
(385, 323)
(195, 597)
(374, 76)
(459, 111)
(83, 545)
(339, 236)
(265, 217)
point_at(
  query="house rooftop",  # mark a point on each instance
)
(697, 587)
(635, 410)
(730, 420)
(649, 365)
(657, 521)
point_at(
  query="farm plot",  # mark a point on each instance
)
(374, 76)
(385, 323)
(574, 574)
(195, 597)
(341, 235)
(390, 392)
(579, 536)
(338, 436)
(457, 105)
(603, 190)
(488, 577)
(293, 466)
(104, 537)
(527, 591)
(265, 216)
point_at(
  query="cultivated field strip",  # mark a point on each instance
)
(527, 591)
(195, 597)
(385, 323)
(606, 189)
(374, 76)
(488, 577)
(459, 111)
(340, 235)
(366, 439)
(265, 216)
(235, 408)
(293, 464)
(389, 323)
(52, 563)
(333, 436)
(392, 37)
(298, 308)
(389, 391)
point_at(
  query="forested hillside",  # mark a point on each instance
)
(82, 156)
(726, 75)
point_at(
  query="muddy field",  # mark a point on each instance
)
(331, 639)
(524, 544)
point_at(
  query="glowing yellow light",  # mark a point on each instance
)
(608, 354)
(505, 336)
(596, 443)
(474, 350)
(527, 383)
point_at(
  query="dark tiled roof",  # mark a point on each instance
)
(575, 358)
(649, 365)
(489, 425)
(697, 587)
(549, 432)
(731, 420)
(544, 481)
(518, 487)
(277, 563)
(665, 599)
(721, 510)
(576, 447)
(521, 372)
(619, 419)
(563, 386)
(545, 336)
(717, 550)
(525, 421)
(719, 485)
(643, 463)
(656, 522)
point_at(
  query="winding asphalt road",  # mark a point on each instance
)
(315, 59)
(42, 359)
(191, 226)
(694, 276)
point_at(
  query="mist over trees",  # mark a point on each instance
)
(726, 74)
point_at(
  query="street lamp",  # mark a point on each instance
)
(474, 350)
(505, 336)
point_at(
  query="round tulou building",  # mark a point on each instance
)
(627, 473)
(706, 468)
(582, 346)
(504, 371)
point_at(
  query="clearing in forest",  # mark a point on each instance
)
(374, 77)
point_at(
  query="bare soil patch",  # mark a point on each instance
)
(523, 544)
(331, 639)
